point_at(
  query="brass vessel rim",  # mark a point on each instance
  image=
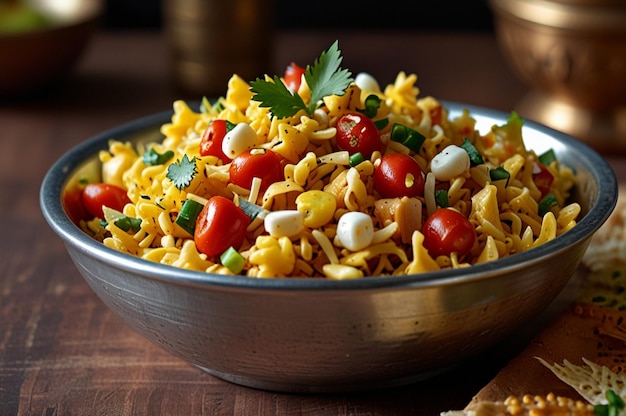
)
(574, 15)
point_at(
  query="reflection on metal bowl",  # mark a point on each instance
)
(320, 335)
(573, 54)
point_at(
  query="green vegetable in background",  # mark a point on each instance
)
(18, 17)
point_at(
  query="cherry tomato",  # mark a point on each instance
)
(447, 231)
(220, 225)
(357, 133)
(543, 179)
(260, 163)
(435, 115)
(293, 77)
(398, 175)
(212, 137)
(96, 195)
(73, 205)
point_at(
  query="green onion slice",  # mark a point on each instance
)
(499, 174)
(407, 136)
(547, 157)
(372, 103)
(188, 214)
(546, 203)
(356, 158)
(232, 260)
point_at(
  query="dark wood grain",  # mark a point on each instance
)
(62, 352)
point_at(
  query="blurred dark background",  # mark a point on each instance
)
(448, 15)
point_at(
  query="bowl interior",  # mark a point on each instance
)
(595, 190)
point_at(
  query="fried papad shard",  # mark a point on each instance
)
(591, 381)
(527, 405)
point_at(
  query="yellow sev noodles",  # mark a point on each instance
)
(506, 218)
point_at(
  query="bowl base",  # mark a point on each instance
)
(605, 131)
(347, 387)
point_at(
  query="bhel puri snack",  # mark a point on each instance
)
(323, 175)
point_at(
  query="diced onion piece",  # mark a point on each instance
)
(242, 137)
(453, 161)
(355, 230)
(366, 82)
(284, 223)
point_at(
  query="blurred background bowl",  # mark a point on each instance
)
(572, 53)
(41, 40)
(321, 335)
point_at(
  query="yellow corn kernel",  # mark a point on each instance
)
(317, 207)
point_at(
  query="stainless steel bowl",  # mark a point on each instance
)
(317, 335)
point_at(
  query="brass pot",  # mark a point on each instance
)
(572, 53)
(209, 41)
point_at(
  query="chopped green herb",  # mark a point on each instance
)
(475, 157)
(407, 136)
(188, 214)
(546, 203)
(232, 260)
(441, 198)
(152, 158)
(324, 77)
(128, 223)
(547, 157)
(382, 123)
(499, 174)
(182, 172)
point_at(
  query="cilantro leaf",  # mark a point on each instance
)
(324, 77)
(151, 157)
(275, 95)
(182, 172)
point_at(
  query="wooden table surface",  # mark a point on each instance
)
(62, 352)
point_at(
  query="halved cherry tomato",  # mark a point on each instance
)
(96, 195)
(398, 175)
(212, 137)
(260, 163)
(447, 231)
(543, 179)
(357, 133)
(293, 77)
(73, 205)
(220, 225)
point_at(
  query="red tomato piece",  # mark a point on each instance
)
(293, 77)
(543, 179)
(73, 205)
(357, 133)
(212, 138)
(97, 195)
(447, 231)
(220, 225)
(260, 163)
(398, 175)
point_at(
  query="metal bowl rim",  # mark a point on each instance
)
(57, 175)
